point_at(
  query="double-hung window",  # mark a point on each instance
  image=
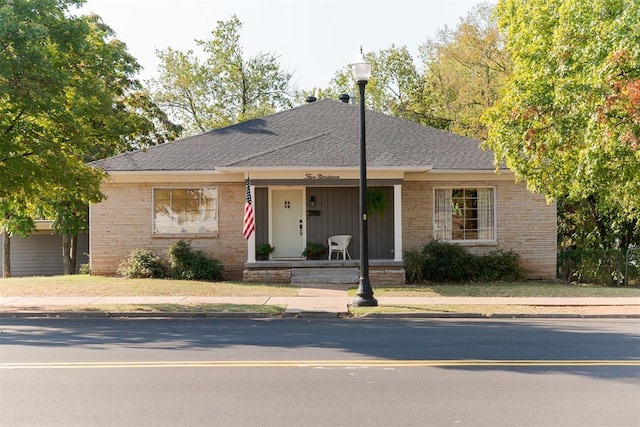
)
(464, 214)
(185, 210)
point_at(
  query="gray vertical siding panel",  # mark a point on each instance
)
(261, 213)
(339, 209)
(41, 254)
(381, 229)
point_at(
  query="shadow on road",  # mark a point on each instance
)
(399, 339)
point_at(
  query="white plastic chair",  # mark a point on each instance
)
(340, 244)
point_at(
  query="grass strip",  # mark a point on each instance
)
(489, 310)
(273, 310)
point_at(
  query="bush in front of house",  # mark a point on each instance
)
(190, 264)
(85, 268)
(499, 265)
(414, 266)
(142, 263)
(447, 262)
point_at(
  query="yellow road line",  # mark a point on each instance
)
(319, 364)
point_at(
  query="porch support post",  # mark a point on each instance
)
(251, 241)
(397, 222)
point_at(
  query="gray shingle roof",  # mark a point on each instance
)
(321, 134)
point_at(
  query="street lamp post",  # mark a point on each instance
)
(362, 73)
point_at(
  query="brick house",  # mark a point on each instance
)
(303, 164)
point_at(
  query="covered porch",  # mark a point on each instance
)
(289, 214)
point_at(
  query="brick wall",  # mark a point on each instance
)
(526, 224)
(123, 222)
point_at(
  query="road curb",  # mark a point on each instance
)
(497, 316)
(131, 315)
(250, 315)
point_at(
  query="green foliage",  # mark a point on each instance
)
(568, 120)
(314, 250)
(187, 263)
(443, 262)
(377, 201)
(264, 249)
(85, 268)
(447, 262)
(464, 68)
(612, 267)
(498, 265)
(589, 225)
(142, 263)
(226, 88)
(68, 95)
(394, 88)
(414, 266)
(16, 215)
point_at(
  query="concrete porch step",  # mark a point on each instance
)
(325, 275)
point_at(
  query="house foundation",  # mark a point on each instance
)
(381, 272)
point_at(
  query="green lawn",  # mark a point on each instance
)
(84, 285)
(517, 289)
(268, 310)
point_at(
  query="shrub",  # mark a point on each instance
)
(445, 261)
(442, 262)
(414, 266)
(142, 263)
(190, 264)
(314, 250)
(85, 268)
(499, 265)
(264, 249)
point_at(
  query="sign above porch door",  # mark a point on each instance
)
(286, 222)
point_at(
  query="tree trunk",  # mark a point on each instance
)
(601, 227)
(69, 252)
(6, 255)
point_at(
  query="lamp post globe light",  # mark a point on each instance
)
(361, 73)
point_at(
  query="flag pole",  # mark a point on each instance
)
(248, 229)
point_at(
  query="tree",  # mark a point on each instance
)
(15, 219)
(68, 96)
(223, 89)
(464, 69)
(182, 89)
(569, 119)
(393, 88)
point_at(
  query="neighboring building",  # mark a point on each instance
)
(304, 169)
(40, 254)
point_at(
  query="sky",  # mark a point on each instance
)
(312, 39)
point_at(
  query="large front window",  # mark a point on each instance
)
(185, 210)
(464, 214)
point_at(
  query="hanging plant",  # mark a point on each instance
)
(377, 201)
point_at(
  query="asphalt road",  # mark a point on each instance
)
(306, 372)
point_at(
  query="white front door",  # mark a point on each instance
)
(287, 229)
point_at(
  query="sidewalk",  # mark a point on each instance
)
(319, 301)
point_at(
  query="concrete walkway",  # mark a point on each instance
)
(325, 300)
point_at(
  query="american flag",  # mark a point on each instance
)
(249, 222)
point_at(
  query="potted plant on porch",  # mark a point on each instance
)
(314, 250)
(263, 250)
